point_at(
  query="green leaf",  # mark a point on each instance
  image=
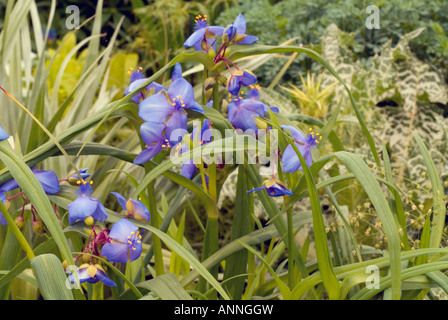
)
(33, 189)
(51, 277)
(362, 172)
(439, 210)
(167, 287)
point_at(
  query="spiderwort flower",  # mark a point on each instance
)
(125, 242)
(92, 273)
(274, 188)
(153, 134)
(3, 134)
(241, 113)
(133, 208)
(239, 78)
(290, 160)
(137, 78)
(86, 206)
(47, 178)
(169, 108)
(203, 34)
(236, 32)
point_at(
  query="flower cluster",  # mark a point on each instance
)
(121, 243)
(164, 110)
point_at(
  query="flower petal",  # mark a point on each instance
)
(240, 24)
(216, 30)
(176, 127)
(48, 179)
(290, 160)
(100, 213)
(9, 185)
(257, 189)
(122, 229)
(116, 252)
(81, 208)
(152, 132)
(296, 134)
(195, 37)
(121, 200)
(242, 116)
(188, 169)
(148, 153)
(278, 190)
(156, 86)
(181, 87)
(3, 134)
(248, 39)
(177, 72)
(155, 108)
(135, 251)
(141, 211)
(102, 276)
(248, 78)
(196, 107)
(3, 200)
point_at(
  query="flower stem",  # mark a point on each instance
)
(15, 196)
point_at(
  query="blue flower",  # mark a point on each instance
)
(236, 32)
(203, 32)
(47, 178)
(153, 134)
(290, 160)
(3, 200)
(239, 78)
(169, 108)
(241, 113)
(273, 188)
(137, 79)
(133, 208)
(189, 167)
(86, 206)
(125, 245)
(3, 134)
(92, 274)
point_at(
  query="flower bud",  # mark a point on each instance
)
(7, 205)
(38, 227)
(85, 258)
(130, 206)
(224, 105)
(261, 124)
(20, 222)
(204, 45)
(231, 32)
(211, 53)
